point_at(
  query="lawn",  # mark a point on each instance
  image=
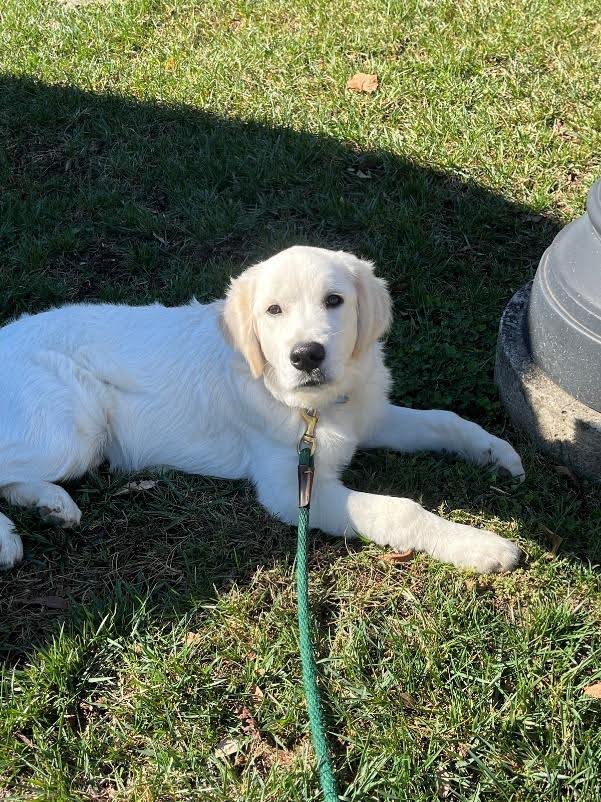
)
(150, 149)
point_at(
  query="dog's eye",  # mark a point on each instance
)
(333, 300)
(274, 309)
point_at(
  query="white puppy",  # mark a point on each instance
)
(217, 390)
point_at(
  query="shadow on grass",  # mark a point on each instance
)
(107, 198)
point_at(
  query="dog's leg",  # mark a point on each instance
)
(396, 522)
(438, 430)
(54, 504)
(11, 546)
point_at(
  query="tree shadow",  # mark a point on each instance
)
(109, 198)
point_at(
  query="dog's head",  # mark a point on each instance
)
(304, 319)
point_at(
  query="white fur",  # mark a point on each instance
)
(211, 390)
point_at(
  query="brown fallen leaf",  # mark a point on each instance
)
(257, 695)
(52, 602)
(395, 557)
(594, 691)
(563, 470)
(363, 82)
(170, 64)
(145, 484)
(555, 539)
(25, 740)
(226, 748)
(192, 638)
(407, 699)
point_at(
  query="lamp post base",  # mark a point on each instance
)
(565, 429)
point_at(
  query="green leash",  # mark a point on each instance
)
(306, 450)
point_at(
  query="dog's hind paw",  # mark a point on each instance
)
(502, 455)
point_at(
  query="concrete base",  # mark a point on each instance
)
(565, 429)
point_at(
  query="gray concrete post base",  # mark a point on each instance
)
(564, 429)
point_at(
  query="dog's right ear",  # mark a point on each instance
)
(239, 322)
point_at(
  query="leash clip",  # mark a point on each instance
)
(305, 463)
(305, 484)
(310, 416)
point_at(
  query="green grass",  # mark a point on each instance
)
(149, 150)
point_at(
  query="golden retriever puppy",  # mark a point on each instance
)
(217, 389)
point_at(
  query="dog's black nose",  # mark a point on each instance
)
(307, 356)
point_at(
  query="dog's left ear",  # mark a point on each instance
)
(239, 322)
(374, 306)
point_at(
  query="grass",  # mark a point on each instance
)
(151, 149)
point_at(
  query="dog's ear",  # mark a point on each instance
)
(239, 322)
(374, 306)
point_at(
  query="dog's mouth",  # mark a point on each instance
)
(314, 379)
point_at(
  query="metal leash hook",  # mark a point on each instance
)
(310, 416)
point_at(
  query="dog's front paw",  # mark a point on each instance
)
(501, 454)
(11, 546)
(58, 508)
(478, 549)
